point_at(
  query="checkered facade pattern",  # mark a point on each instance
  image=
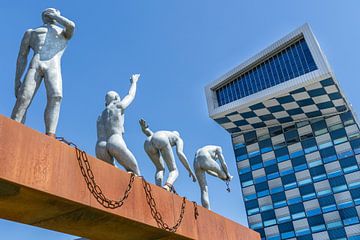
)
(302, 180)
(318, 99)
(296, 142)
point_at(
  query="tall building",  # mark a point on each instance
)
(296, 141)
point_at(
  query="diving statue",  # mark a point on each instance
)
(205, 162)
(158, 147)
(110, 130)
(48, 43)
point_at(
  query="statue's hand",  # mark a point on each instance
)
(134, 78)
(193, 176)
(52, 13)
(143, 123)
(229, 177)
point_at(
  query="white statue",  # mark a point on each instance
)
(48, 43)
(205, 162)
(158, 147)
(110, 130)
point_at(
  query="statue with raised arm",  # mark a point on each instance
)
(158, 147)
(110, 130)
(205, 162)
(48, 43)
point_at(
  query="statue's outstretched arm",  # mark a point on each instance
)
(131, 95)
(68, 24)
(222, 162)
(22, 59)
(182, 157)
(145, 128)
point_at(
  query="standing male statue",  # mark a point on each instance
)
(205, 162)
(158, 147)
(110, 130)
(48, 43)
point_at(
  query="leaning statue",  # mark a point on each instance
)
(158, 147)
(205, 162)
(110, 130)
(48, 43)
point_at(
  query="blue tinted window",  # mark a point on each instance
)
(282, 154)
(338, 136)
(292, 137)
(337, 233)
(291, 62)
(288, 179)
(296, 208)
(265, 145)
(251, 204)
(348, 213)
(307, 189)
(328, 154)
(245, 177)
(309, 145)
(347, 118)
(271, 169)
(355, 144)
(286, 227)
(268, 215)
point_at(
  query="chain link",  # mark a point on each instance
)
(228, 185)
(156, 214)
(196, 212)
(94, 188)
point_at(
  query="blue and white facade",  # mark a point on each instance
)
(296, 141)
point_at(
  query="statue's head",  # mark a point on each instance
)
(176, 133)
(47, 19)
(111, 96)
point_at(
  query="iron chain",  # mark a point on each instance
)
(94, 188)
(156, 214)
(96, 191)
(228, 185)
(196, 212)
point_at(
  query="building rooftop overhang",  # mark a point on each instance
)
(313, 94)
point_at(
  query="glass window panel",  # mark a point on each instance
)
(303, 56)
(291, 62)
(273, 69)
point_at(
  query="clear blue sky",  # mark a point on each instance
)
(178, 47)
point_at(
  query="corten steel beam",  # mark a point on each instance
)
(41, 185)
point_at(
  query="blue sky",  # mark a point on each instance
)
(178, 47)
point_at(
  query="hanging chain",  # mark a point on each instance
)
(96, 191)
(89, 178)
(196, 212)
(156, 214)
(94, 188)
(228, 185)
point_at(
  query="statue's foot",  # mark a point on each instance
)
(167, 187)
(51, 135)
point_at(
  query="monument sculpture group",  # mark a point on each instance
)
(48, 44)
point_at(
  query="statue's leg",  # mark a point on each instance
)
(155, 157)
(213, 168)
(102, 153)
(117, 148)
(169, 159)
(200, 175)
(26, 94)
(53, 84)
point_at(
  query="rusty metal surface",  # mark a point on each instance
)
(41, 184)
